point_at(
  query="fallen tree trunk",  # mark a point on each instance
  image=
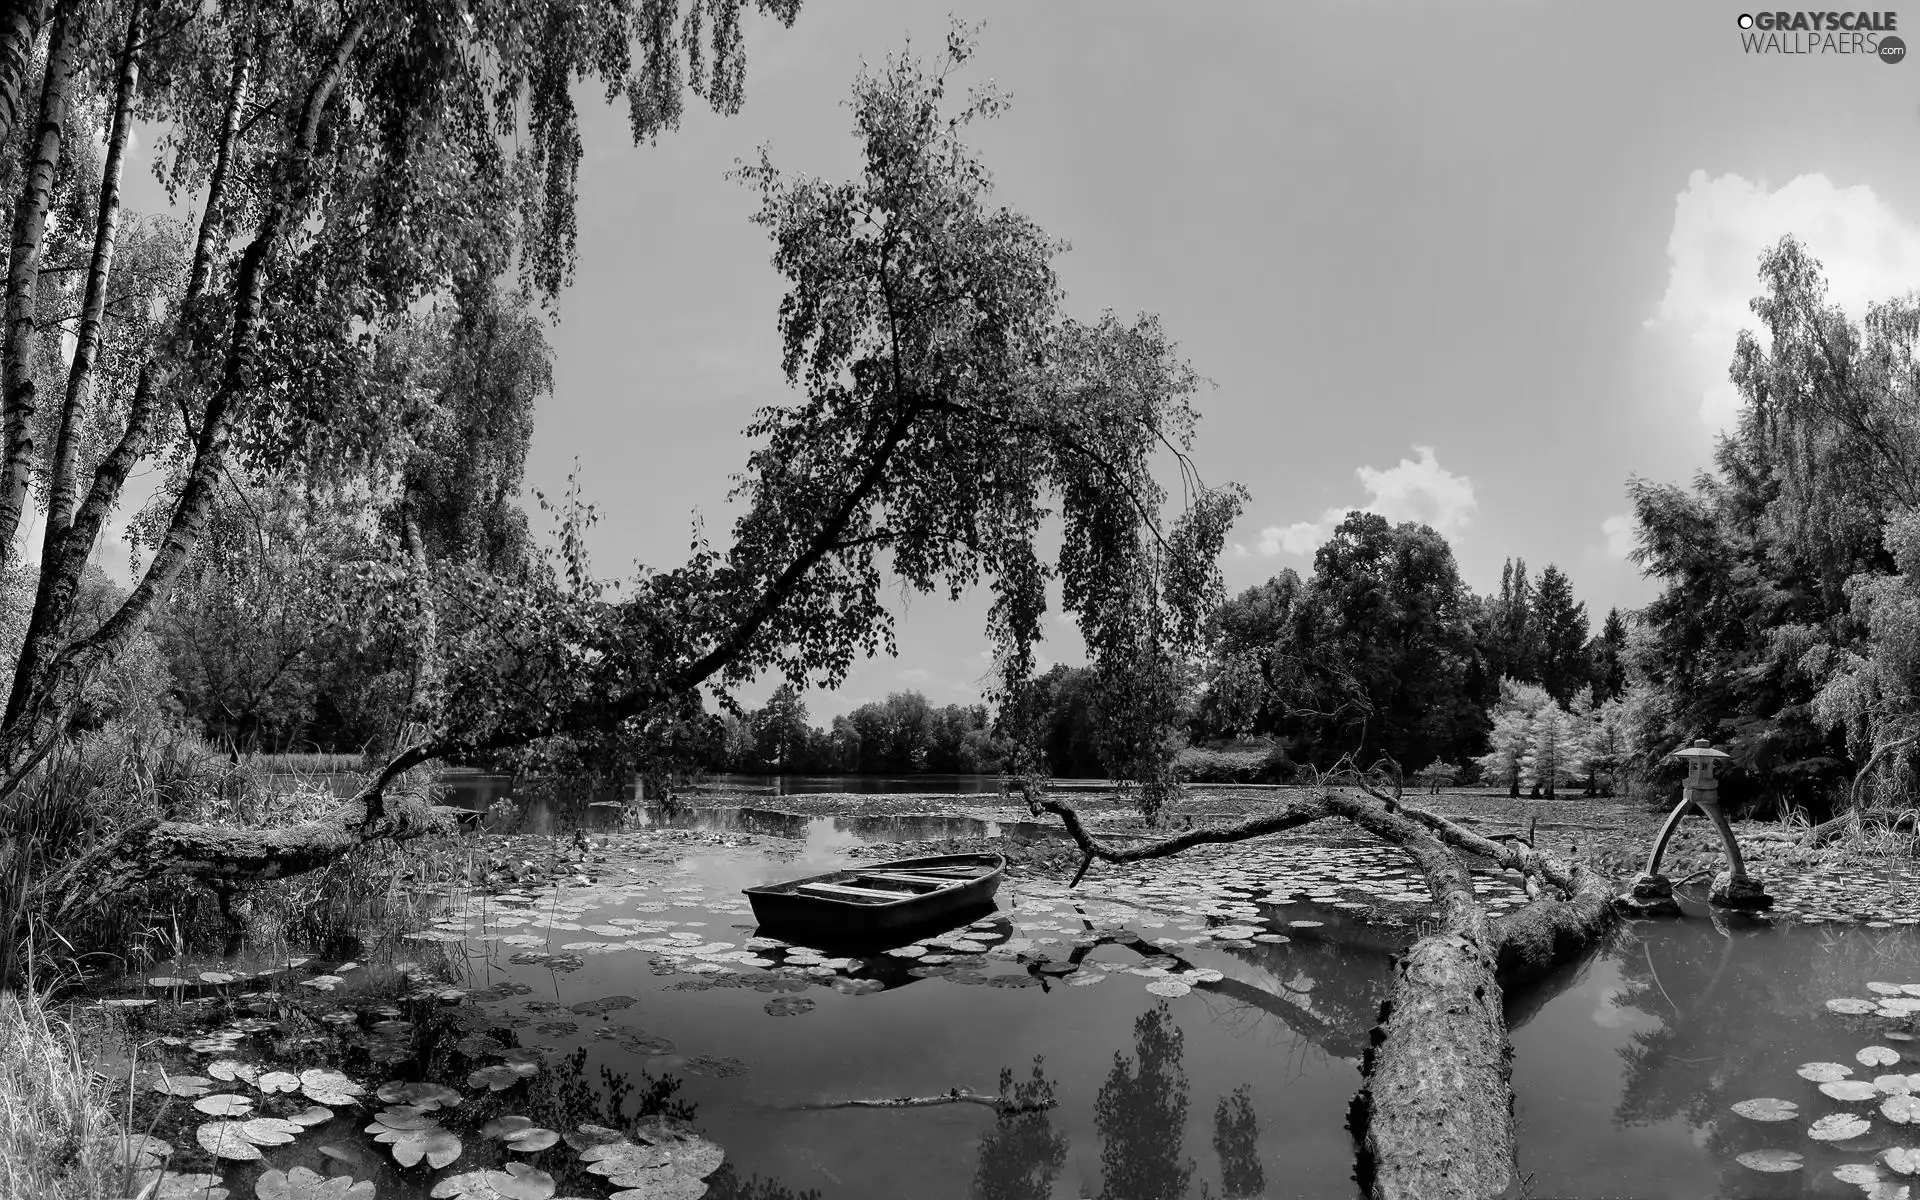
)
(226, 858)
(1434, 1117)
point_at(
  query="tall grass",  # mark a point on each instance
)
(61, 1137)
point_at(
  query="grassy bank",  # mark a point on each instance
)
(61, 1137)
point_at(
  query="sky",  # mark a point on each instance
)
(1471, 264)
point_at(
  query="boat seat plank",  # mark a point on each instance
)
(845, 891)
(949, 872)
(905, 877)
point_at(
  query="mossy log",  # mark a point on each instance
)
(225, 858)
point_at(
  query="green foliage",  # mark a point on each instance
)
(1375, 655)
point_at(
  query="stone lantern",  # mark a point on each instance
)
(1652, 892)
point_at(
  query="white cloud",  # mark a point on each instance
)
(1720, 228)
(1422, 491)
(915, 675)
(1619, 533)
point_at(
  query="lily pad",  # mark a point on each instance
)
(224, 1105)
(232, 1071)
(409, 1146)
(715, 1066)
(500, 1078)
(1878, 1056)
(1774, 1162)
(420, 1094)
(1858, 1174)
(270, 1131)
(1169, 987)
(188, 1185)
(520, 1134)
(1901, 1110)
(227, 1139)
(1850, 1006)
(1766, 1108)
(788, 1006)
(517, 1181)
(605, 1004)
(1902, 1160)
(310, 1116)
(183, 1085)
(1824, 1072)
(330, 1088)
(1838, 1127)
(1894, 1085)
(1850, 1091)
(302, 1184)
(278, 1081)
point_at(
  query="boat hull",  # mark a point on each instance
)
(782, 910)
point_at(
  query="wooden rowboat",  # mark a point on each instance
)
(880, 899)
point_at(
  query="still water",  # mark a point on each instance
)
(1196, 1024)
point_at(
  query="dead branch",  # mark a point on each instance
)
(999, 1104)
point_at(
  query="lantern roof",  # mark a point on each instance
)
(1701, 748)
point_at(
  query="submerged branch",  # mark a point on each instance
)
(999, 1104)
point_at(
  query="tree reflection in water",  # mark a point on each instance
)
(1021, 1156)
(1236, 1139)
(1141, 1115)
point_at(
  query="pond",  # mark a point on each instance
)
(1185, 1028)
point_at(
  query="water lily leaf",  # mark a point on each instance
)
(229, 1070)
(1851, 1007)
(588, 1136)
(1771, 1161)
(278, 1081)
(138, 1151)
(1824, 1072)
(421, 1095)
(1858, 1174)
(1766, 1108)
(182, 1185)
(667, 1187)
(1878, 1056)
(302, 1184)
(1901, 1110)
(1894, 1085)
(1169, 987)
(436, 1145)
(1850, 1091)
(227, 1139)
(506, 1127)
(788, 1006)
(403, 1117)
(1902, 1160)
(313, 1115)
(714, 1066)
(1838, 1127)
(183, 1085)
(605, 1004)
(517, 1181)
(270, 1131)
(501, 1077)
(225, 1105)
(330, 1088)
